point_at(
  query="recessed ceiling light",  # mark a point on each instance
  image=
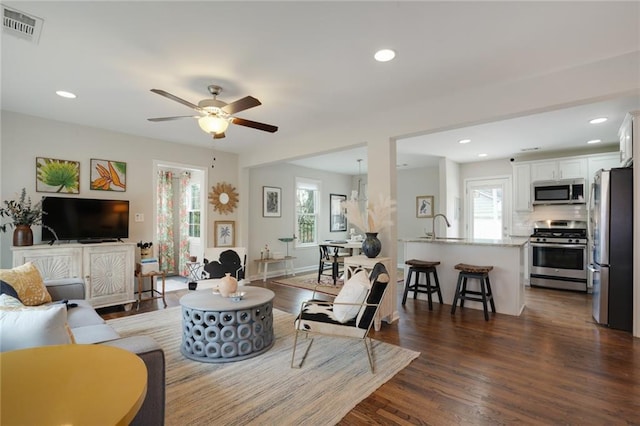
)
(482, 155)
(384, 55)
(464, 141)
(595, 141)
(65, 94)
(598, 120)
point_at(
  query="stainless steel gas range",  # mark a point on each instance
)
(559, 255)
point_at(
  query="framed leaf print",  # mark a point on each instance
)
(225, 233)
(54, 175)
(271, 201)
(108, 175)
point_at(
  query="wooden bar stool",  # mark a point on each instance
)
(425, 267)
(480, 273)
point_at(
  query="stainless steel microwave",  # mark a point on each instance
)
(567, 191)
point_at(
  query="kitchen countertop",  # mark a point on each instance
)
(505, 242)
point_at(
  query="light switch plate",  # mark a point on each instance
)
(139, 217)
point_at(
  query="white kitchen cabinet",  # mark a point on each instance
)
(107, 269)
(522, 187)
(559, 169)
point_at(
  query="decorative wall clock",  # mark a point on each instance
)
(223, 197)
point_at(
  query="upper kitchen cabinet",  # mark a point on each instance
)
(522, 188)
(604, 161)
(560, 169)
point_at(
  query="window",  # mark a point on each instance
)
(193, 209)
(307, 208)
(489, 208)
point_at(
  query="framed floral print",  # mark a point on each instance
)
(108, 175)
(271, 203)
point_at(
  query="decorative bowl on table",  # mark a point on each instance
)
(238, 296)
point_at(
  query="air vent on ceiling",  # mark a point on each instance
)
(21, 25)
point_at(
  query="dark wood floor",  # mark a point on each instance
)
(551, 365)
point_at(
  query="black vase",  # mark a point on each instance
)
(371, 245)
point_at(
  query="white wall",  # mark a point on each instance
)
(24, 138)
(267, 230)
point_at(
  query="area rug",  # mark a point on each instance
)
(334, 378)
(310, 282)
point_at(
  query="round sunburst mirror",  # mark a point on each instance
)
(223, 197)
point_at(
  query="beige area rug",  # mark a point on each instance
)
(263, 390)
(310, 281)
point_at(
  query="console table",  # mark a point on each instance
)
(263, 264)
(217, 329)
(74, 385)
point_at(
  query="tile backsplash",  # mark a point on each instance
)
(522, 223)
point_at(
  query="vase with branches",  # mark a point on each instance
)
(23, 214)
(373, 220)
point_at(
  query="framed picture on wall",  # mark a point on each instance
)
(53, 175)
(337, 217)
(108, 175)
(271, 201)
(424, 206)
(225, 233)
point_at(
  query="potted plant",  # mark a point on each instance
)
(23, 214)
(373, 220)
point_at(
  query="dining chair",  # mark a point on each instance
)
(330, 258)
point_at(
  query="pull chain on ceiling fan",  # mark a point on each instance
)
(216, 115)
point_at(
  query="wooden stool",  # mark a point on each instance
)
(477, 272)
(425, 267)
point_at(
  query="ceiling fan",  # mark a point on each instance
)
(215, 115)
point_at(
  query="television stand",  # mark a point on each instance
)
(90, 241)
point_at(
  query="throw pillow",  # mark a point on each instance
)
(27, 282)
(5, 288)
(353, 291)
(28, 327)
(9, 301)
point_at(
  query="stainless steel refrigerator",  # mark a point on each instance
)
(611, 233)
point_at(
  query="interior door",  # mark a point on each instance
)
(488, 214)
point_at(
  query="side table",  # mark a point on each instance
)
(155, 293)
(193, 268)
(353, 264)
(263, 264)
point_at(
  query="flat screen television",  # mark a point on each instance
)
(84, 219)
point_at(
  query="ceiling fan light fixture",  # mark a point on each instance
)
(213, 124)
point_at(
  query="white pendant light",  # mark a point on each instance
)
(213, 124)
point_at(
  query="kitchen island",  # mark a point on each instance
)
(507, 256)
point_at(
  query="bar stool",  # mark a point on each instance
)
(425, 267)
(475, 272)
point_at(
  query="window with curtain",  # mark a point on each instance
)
(193, 209)
(307, 210)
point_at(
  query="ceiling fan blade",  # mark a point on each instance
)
(241, 104)
(173, 118)
(218, 135)
(177, 99)
(255, 125)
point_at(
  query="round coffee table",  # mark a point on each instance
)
(217, 329)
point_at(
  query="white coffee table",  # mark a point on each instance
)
(217, 329)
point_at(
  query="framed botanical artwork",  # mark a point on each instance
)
(53, 175)
(337, 216)
(271, 201)
(108, 175)
(424, 206)
(225, 233)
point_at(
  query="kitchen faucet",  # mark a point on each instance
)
(433, 226)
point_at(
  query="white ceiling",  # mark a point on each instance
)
(311, 63)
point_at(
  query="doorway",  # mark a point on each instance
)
(489, 202)
(180, 213)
